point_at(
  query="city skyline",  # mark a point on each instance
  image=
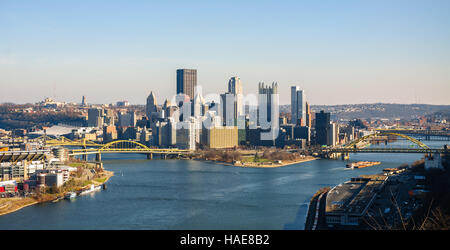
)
(339, 53)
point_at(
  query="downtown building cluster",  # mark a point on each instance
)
(190, 121)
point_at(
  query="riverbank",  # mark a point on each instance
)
(274, 164)
(10, 205)
(259, 164)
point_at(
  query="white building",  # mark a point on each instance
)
(332, 134)
(199, 102)
(235, 87)
(186, 134)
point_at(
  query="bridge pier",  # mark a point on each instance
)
(99, 165)
(84, 157)
(149, 156)
(345, 156)
(98, 157)
(163, 156)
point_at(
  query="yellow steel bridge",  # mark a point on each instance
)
(354, 143)
(124, 146)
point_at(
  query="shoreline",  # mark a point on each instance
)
(110, 174)
(20, 207)
(34, 202)
(258, 165)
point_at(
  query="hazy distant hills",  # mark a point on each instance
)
(376, 110)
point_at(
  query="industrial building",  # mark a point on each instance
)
(347, 203)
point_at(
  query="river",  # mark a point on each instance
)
(181, 194)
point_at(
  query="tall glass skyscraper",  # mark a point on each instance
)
(187, 82)
(298, 106)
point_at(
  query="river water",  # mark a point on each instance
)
(179, 194)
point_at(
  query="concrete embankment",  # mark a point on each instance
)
(313, 217)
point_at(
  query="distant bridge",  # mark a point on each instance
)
(63, 141)
(423, 133)
(352, 147)
(92, 148)
(354, 144)
(386, 150)
(123, 146)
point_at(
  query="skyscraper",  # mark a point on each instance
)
(308, 115)
(228, 110)
(84, 101)
(95, 117)
(322, 128)
(265, 100)
(187, 82)
(298, 106)
(235, 87)
(151, 106)
(198, 105)
(127, 119)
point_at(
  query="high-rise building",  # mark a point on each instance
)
(199, 102)
(308, 115)
(84, 101)
(127, 119)
(228, 110)
(95, 117)
(109, 133)
(109, 118)
(186, 135)
(168, 109)
(187, 82)
(302, 133)
(146, 137)
(151, 106)
(265, 99)
(235, 87)
(168, 133)
(298, 106)
(322, 128)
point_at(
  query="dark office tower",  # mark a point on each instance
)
(322, 127)
(151, 106)
(187, 82)
(95, 117)
(84, 102)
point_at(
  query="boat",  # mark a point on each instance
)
(70, 195)
(91, 189)
(362, 164)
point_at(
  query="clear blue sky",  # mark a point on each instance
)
(365, 51)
